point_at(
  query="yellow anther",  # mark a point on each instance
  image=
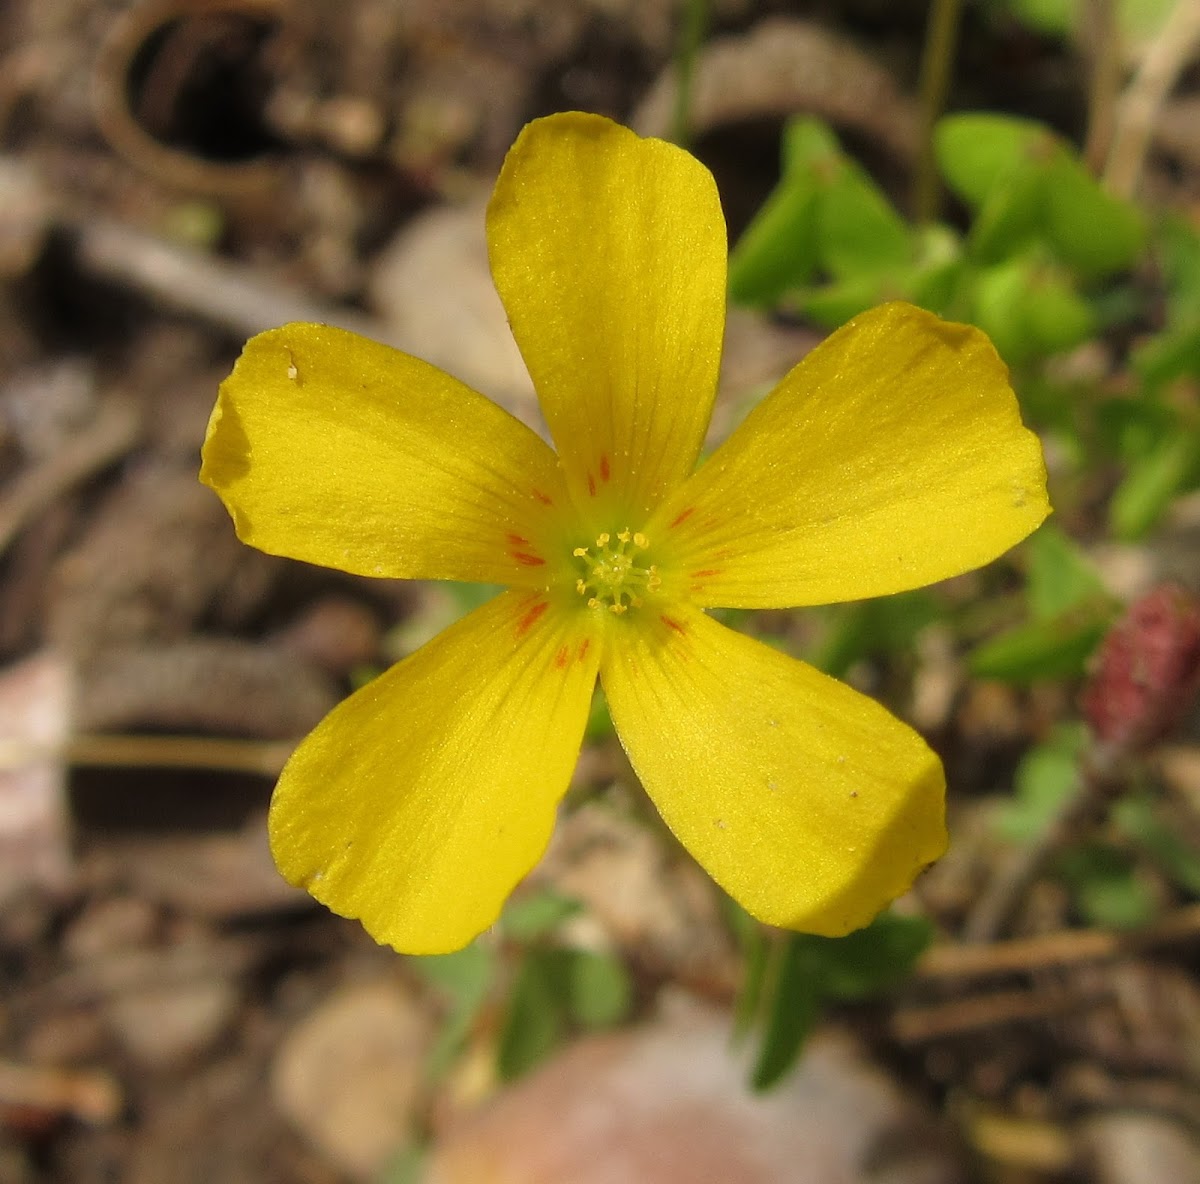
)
(611, 575)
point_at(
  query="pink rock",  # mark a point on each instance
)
(669, 1104)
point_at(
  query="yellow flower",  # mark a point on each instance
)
(893, 455)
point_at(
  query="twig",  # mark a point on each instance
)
(1069, 947)
(1102, 37)
(955, 1017)
(88, 1095)
(1099, 778)
(1161, 65)
(261, 757)
(225, 294)
(113, 433)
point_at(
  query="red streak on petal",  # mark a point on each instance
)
(560, 659)
(584, 646)
(683, 516)
(526, 622)
(708, 571)
(591, 485)
(604, 470)
(671, 623)
(541, 497)
(517, 540)
(528, 560)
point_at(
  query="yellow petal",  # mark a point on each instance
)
(420, 801)
(333, 449)
(806, 801)
(609, 254)
(892, 456)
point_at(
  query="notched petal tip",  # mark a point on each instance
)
(892, 456)
(809, 803)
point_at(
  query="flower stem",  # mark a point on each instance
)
(937, 58)
(691, 34)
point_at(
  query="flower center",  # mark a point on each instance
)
(611, 576)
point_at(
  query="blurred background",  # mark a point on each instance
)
(176, 175)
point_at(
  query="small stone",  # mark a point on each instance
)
(167, 1025)
(349, 1075)
(119, 923)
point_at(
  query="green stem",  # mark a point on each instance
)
(941, 41)
(695, 25)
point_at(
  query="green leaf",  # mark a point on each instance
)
(1060, 575)
(832, 305)
(465, 978)
(1057, 648)
(600, 992)
(1152, 483)
(808, 143)
(1056, 316)
(873, 960)
(979, 152)
(858, 230)
(1045, 778)
(1054, 17)
(1172, 354)
(1137, 818)
(533, 917)
(778, 250)
(880, 626)
(1011, 218)
(794, 1003)
(806, 971)
(1108, 890)
(1089, 228)
(998, 308)
(1030, 309)
(1133, 428)
(535, 1021)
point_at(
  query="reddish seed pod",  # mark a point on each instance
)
(1147, 671)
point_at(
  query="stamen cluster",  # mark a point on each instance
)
(611, 577)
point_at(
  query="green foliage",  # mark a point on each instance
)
(1153, 480)
(534, 917)
(796, 976)
(884, 625)
(1045, 779)
(1138, 819)
(556, 989)
(828, 244)
(464, 979)
(1028, 188)
(1057, 18)
(1107, 889)
(1068, 613)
